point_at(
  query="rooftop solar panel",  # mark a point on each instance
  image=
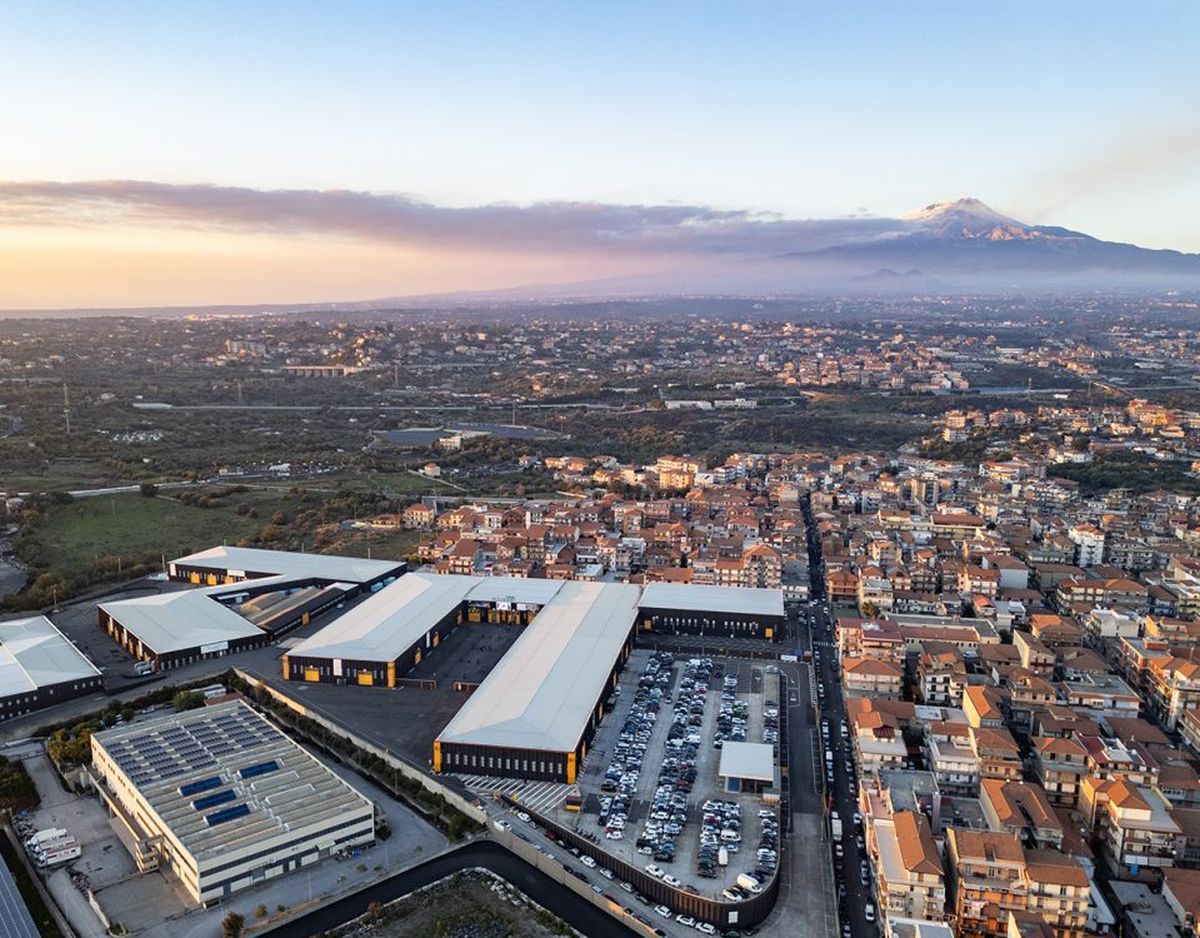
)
(204, 784)
(262, 768)
(15, 920)
(227, 814)
(211, 801)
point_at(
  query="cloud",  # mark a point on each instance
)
(574, 227)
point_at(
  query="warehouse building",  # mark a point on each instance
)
(222, 800)
(536, 712)
(174, 629)
(727, 611)
(40, 667)
(219, 565)
(387, 635)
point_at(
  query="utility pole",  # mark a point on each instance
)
(67, 407)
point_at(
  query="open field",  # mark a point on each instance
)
(380, 545)
(138, 529)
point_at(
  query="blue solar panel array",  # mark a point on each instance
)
(261, 768)
(204, 784)
(227, 814)
(211, 801)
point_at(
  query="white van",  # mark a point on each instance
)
(749, 883)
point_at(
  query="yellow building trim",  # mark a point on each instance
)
(366, 679)
(571, 768)
(312, 674)
(437, 756)
(391, 674)
(287, 671)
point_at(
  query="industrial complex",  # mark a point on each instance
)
(39, 666)
(223, 800)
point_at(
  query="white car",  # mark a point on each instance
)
(587, 861)
(654, 871)
(663, 911)
(685, 920)
(705, 928)
(615, 835)
(870, 912)
(670, 880)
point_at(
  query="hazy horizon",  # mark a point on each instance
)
(211, 155)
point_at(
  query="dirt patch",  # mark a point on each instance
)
(467, 905)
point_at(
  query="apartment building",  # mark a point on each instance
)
(872, 677)
(909, 878)
(1133, 823)
(1059, 764)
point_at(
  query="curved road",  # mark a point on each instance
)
(572, 908)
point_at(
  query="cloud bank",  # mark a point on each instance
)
(577, 227)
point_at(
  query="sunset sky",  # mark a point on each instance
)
(178, 153)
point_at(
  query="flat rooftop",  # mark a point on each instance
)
(387, 624)
(242, 561)
(34, 653)
(222, 778)
(748, 760)
(542, 692)
(730, 599)
(177, 621)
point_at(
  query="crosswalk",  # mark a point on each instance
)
(540, 796)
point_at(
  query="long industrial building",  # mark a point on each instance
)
(40, 667)
(222, 800)
(175, 629)
(727, 611)
(223, 565)
(535, 713)
(252, 597)
(388, 634)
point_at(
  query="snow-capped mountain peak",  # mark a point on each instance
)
(968, 218)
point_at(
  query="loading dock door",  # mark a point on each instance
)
(312, 674)
(366, 679)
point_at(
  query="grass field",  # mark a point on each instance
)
(380, 545)
(131, 526)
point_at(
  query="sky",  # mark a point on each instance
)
(195, 153)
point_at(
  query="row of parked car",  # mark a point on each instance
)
(619, 786)
(731, 718)
(668, 808)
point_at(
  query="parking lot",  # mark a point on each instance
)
(651, 791)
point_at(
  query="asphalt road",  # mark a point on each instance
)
(573, 909)
(853, 894)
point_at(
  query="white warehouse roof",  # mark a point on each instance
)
(747, 760)
(288, 563)
(34, 653)
(176, 621)
(733, 599)
(387, 624)
(542, 692)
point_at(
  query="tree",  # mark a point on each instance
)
(232, 925)
(148, 489)
(261, 911)
(188, 700)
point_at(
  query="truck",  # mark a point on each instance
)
(58, 854)
(47, 837)
(143, 667)
(835, 825)
(723, 857)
